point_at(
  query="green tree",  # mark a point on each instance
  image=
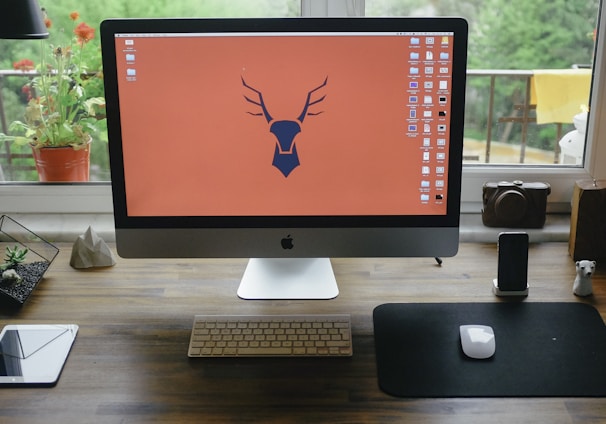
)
(464, 8)
(522, 34)
(512, 34)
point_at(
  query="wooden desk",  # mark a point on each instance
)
(129, 363)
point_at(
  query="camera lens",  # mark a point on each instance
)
(510, 206)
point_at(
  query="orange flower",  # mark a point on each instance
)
(27, 90)
(74, 16)
(23, 65)
(84, 33)
(47, 22)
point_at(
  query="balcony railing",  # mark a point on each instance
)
(521, 111)
(505, 97)
(500, 123)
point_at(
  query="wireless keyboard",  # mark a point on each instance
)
(270, 335)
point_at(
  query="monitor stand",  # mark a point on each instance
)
(287, 278)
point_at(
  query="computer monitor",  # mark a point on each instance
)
(289, 141)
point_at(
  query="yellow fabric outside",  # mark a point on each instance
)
(559, 94)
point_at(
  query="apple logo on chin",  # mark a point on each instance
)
(287, 242)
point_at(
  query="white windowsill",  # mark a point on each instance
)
(63, 227)
(557, 228)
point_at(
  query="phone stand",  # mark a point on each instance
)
(499, 292)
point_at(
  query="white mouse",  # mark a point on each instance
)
(478, 341)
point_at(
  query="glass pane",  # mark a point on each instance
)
(529, 75)
(20, 60)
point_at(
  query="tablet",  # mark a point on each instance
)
(34, 354)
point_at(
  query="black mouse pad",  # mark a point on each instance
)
(542, 349)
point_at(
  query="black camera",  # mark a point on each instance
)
(514, 204)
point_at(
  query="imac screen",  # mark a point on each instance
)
(280, 138)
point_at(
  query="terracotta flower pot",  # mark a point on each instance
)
(62, 163)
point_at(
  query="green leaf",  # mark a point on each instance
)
(22, 141)
(91, 103)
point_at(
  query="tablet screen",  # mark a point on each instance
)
(34, 354)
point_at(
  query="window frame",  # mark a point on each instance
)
(96, 197)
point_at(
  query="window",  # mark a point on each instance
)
(95, 197)
(502, 138)
(16, 90)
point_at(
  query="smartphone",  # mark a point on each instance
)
(513, 261)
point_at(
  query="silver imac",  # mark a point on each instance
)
(289, 141)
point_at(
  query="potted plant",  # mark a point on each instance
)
(61, 115)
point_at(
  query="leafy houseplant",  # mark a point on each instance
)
(61, 115)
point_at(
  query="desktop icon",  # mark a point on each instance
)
(130, 57)
(414, 40)
(131, 72)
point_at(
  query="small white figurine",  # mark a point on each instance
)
(582, 282)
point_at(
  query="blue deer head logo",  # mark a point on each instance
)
(285, 153)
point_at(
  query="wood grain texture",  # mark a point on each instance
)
(588, 221)
(129, 363)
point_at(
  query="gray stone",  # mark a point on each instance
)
(90, 251)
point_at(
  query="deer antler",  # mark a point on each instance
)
(260, 103)
(308, 103)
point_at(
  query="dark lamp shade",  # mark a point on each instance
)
(21, 19)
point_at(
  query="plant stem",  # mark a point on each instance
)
(44, 88)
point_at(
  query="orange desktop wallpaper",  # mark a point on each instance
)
(193, 147)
